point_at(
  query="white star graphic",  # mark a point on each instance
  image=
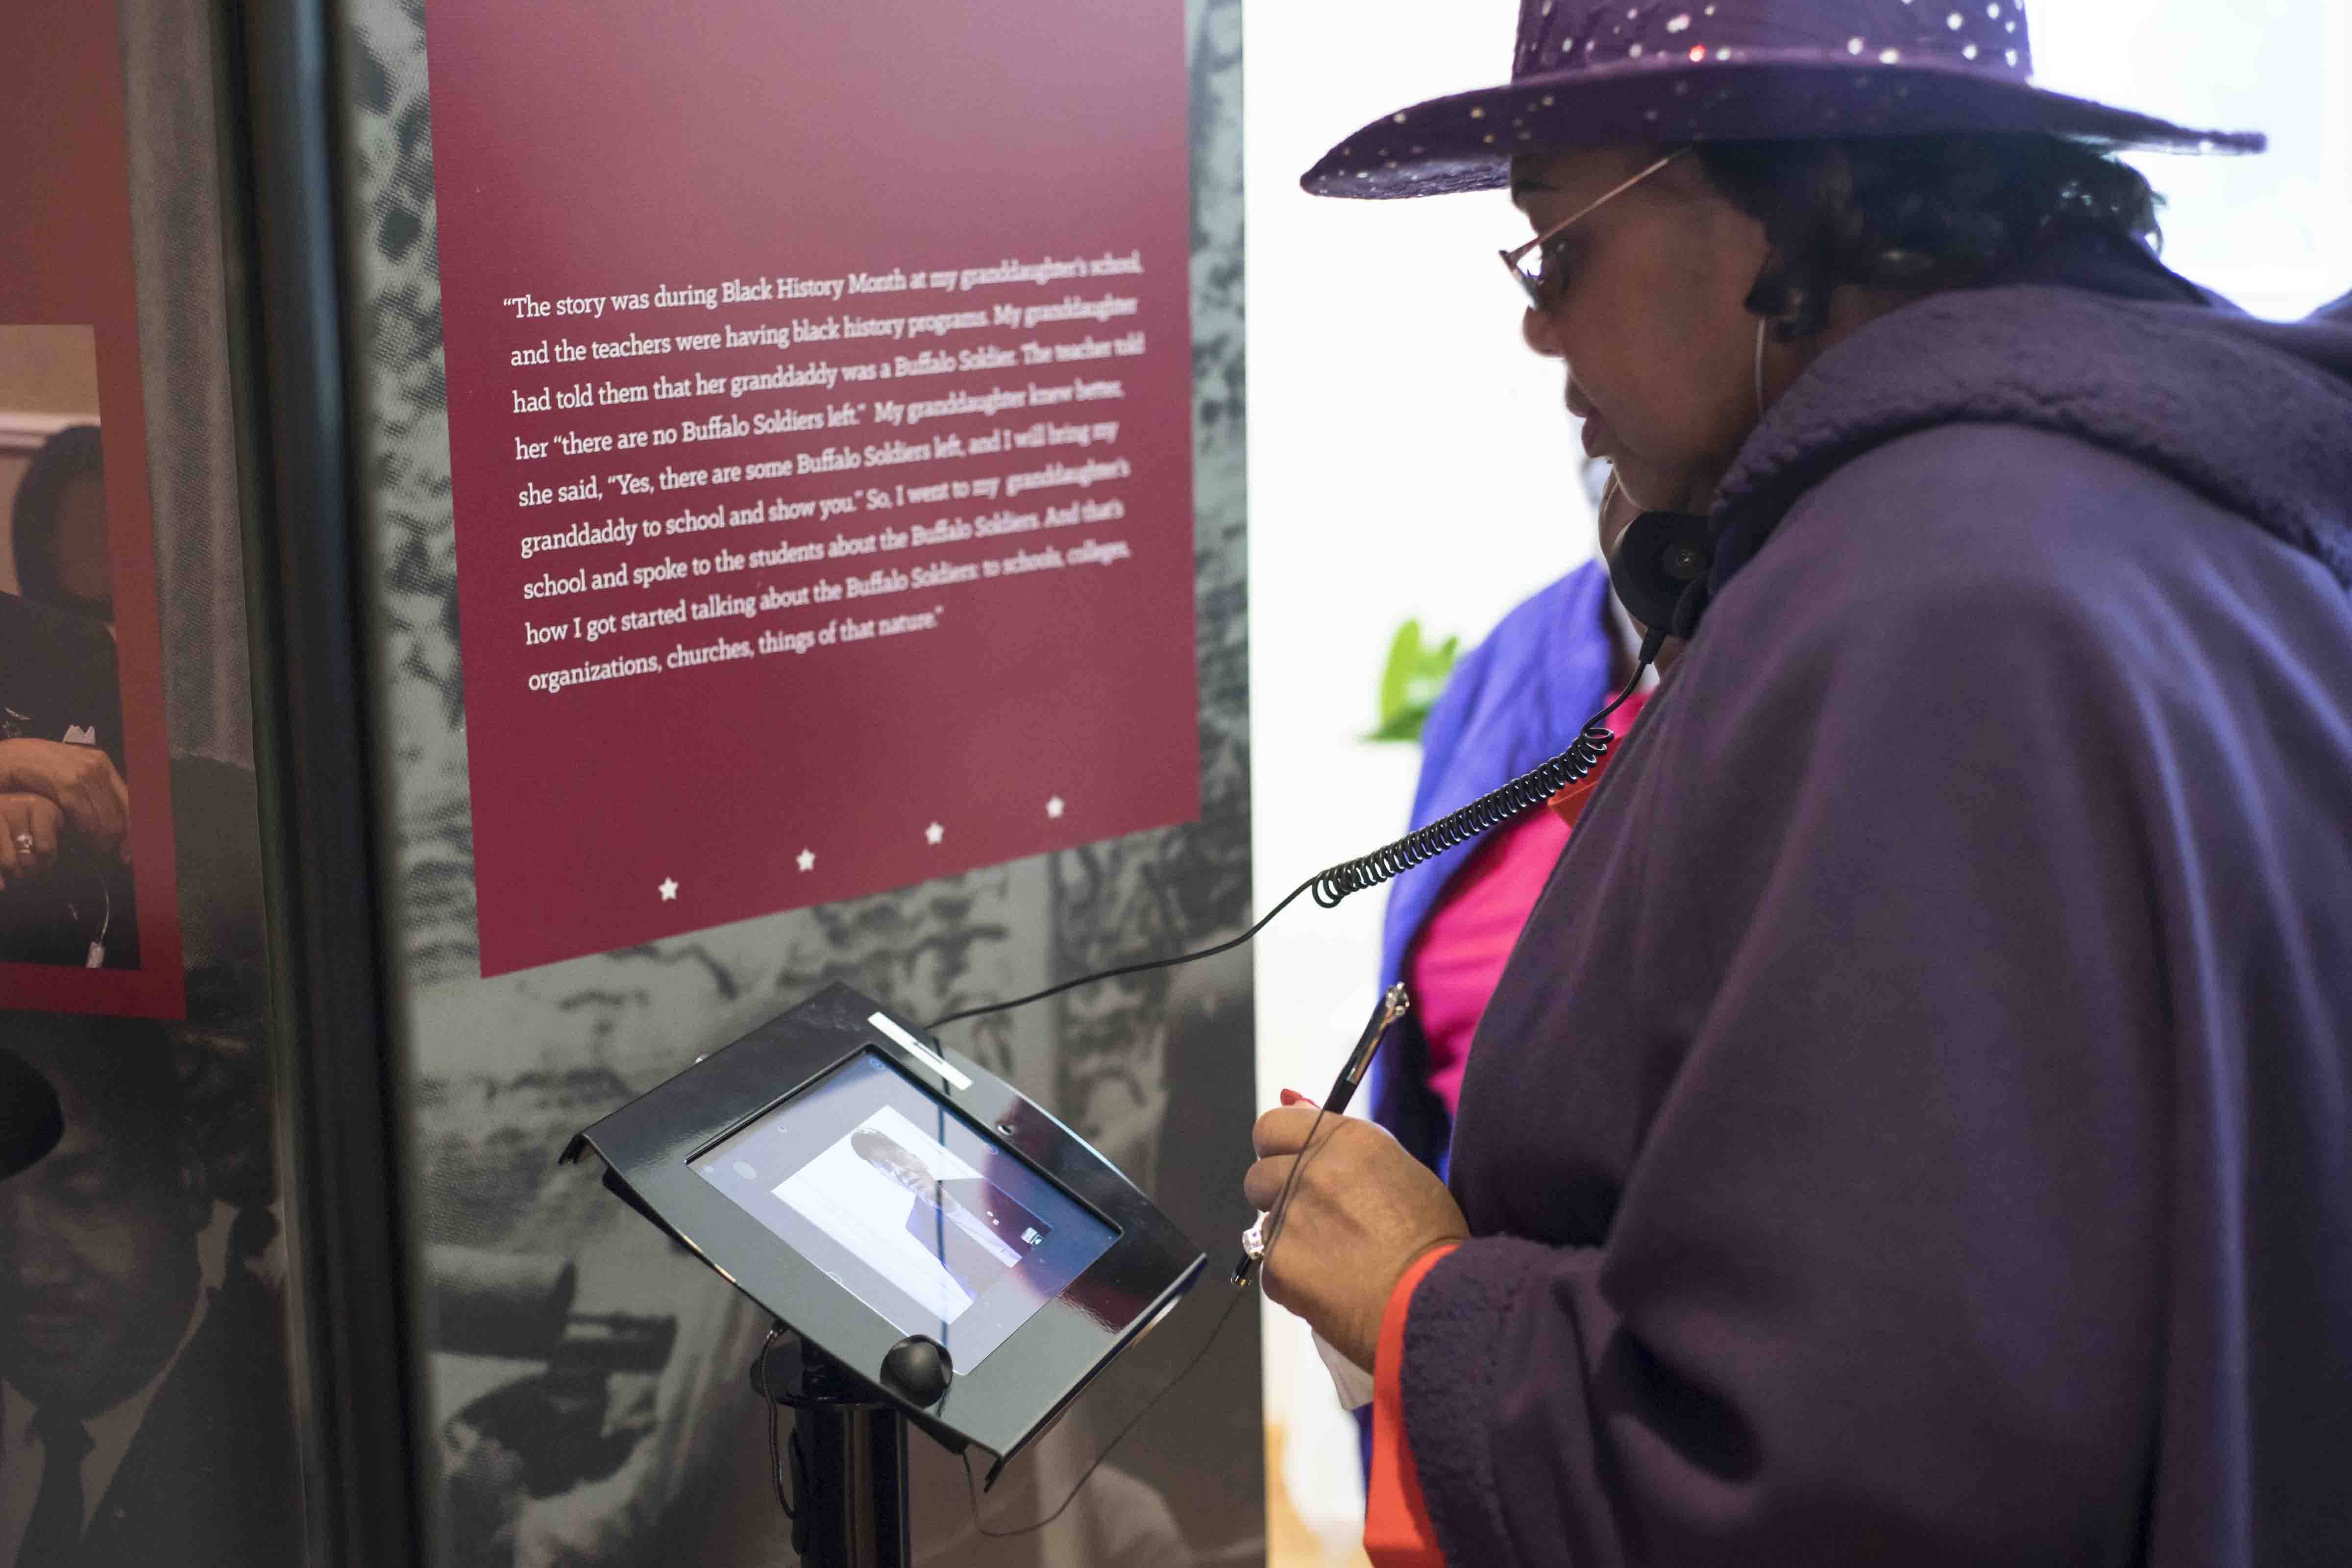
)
(668, 885)
(806, 860)
(934, 833)
(1053, 806)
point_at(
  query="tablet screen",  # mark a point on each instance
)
(908, 1207)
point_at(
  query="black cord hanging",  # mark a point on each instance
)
(1330, 885)
(1494, 808)
(1392, 859)
(776, 1460)
(1280, 1212)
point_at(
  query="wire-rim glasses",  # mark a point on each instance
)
(1526, 264)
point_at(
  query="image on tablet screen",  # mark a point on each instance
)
(927, 1221)
(936, 1228)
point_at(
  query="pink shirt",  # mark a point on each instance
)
(1459, 955)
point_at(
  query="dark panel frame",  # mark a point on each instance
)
(303, 555)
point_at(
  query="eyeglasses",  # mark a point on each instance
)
(1531, 278)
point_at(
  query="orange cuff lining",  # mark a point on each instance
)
(1397, 1531)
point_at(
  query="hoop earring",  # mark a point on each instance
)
(1617, 484)
(1761, 324)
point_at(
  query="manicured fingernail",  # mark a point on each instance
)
(1292, 1097)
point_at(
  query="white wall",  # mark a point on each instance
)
(2272, 231)
(1407, 456)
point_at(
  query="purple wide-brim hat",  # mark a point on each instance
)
(1590, 75)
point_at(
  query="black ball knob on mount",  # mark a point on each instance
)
(917, 1370)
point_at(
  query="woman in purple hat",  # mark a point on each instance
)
(1916, 1125)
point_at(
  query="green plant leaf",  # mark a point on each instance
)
(1410, 682)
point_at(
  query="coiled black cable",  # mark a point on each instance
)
(1490, 810)
(1494, 808)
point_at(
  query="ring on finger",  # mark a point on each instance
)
(25, 842)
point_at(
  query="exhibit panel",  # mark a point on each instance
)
(832, 434)
(592, 880)
(152, 1258)
(88, 915)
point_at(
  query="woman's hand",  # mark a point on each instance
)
(29, 827)
(80, 781)
(1362, 1210)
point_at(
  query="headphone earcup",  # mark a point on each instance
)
(1658, 558)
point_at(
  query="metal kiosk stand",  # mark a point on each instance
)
(1024, 1263)
(850, 1509)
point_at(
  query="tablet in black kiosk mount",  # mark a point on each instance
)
(921, 1224)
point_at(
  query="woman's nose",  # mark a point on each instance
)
(1536, 327)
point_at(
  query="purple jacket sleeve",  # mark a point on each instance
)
(1884, 1278)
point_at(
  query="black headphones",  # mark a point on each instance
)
(1659, 571)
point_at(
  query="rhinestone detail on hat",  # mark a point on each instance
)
(1885, 40)
(1565, 34)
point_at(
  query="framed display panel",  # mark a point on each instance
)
(89, 917)
(492, 1077)
(1086, 1262)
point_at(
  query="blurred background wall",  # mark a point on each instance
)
(1409, 458)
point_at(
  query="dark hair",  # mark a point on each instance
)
(1915, 212)
(124, 1069)
(869, 1143)
(70, 454)
(194, 1091)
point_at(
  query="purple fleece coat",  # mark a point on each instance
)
(1953, 1162)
